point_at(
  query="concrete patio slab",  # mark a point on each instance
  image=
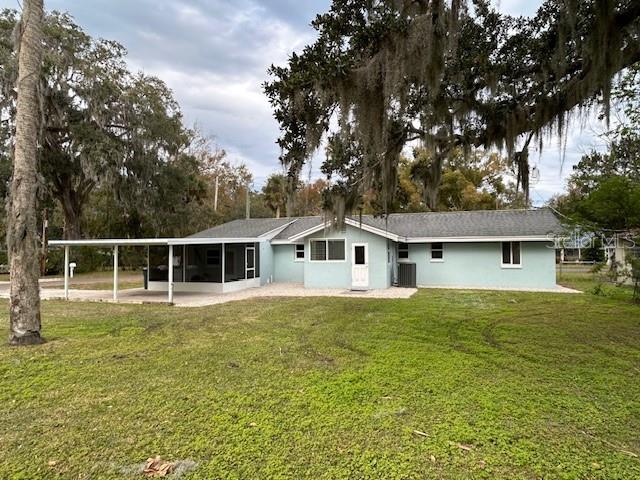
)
(197, 299)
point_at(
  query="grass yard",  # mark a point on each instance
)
(96, 285)
(497, 385)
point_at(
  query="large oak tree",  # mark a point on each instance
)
(103, 126)
(449, 74)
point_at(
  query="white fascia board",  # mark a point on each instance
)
(284, 241)
(374, 230)
(350, 222)
(272, 233)
(536, 238)
(140, 242)
(109, 242)
(308, 232)
(209, 241)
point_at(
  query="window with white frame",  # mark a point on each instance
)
(437, 252)
(403, 250)
(511, 254)
(327, 250)
(299, 252)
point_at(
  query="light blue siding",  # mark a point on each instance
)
(479, 265)
(266, 262)
(286, 269)
(338, 274)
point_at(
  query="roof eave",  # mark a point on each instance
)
(481, 238)
(142, 242)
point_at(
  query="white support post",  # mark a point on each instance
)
(115, 273)
(170, 274)
(66, 272)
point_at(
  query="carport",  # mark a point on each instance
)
(243, 273)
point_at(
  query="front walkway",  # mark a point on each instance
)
(197, 299)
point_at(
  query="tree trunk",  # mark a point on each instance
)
(22, 236)
(278, 211)
(72, 210)
(432, 182)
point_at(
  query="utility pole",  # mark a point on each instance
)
(248, 203)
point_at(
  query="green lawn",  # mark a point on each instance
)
(122, 285)
(500, 385)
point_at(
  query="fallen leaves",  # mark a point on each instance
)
(156, 467)
(462, 446)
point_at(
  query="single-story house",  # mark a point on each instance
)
(488, 249)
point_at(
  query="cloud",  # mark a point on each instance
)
(558, 156)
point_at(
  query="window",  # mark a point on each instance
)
(403, 250)
(437, 252)
(511, 254)
(318, 250)
(336, 249)
(299, 253)
(327, 250)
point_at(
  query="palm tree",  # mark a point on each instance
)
(274, 193)
(22, 237)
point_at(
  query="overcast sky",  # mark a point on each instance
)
(214, 55)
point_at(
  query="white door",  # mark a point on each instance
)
(360, 266)
(250, 262)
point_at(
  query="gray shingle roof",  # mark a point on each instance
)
(251, 228)
(482, 223)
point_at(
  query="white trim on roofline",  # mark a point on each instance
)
(376, 230)
(272, 233)
(112, 242)
(307, 232)
(283, 242)
(348, 221)
(108, 242)
(400, 239)
(213, 240)
(531, 238)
